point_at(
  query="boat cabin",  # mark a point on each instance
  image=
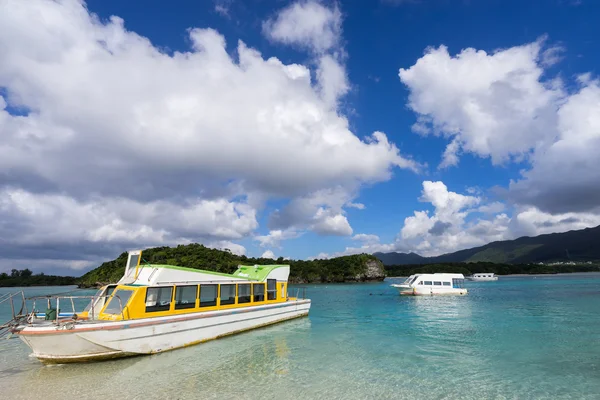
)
(455, 281)
(160, 290)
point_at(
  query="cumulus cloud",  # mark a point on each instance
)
(505, 106)
(268, 254)
(460, 221)
(358, 206)
(565, 176)
(321, 211)
(493, 105)
(142, 141)
(366, 238)
(308, 24)
(275, 237)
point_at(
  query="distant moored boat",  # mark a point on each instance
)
(482, 277)
(432, 284)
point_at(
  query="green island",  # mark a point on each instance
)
(25, 277)
(355, 268)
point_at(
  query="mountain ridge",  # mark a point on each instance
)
(576, 245)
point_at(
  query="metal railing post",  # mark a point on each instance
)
(12, 306)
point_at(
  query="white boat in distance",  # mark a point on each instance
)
(483, 277)
(432, 284)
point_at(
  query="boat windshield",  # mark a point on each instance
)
(115, 306)
(457, 283)
(410, 281)
(98, 296)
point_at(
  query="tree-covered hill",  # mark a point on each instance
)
(356, 268)
(579, 246)
(27, 278)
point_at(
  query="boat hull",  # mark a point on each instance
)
(406, 290)
(108, 340)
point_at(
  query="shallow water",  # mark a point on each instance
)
(518, 338)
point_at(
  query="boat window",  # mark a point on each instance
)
(208, 295)
(158, 299)
(243, 293)
(271, 289)
(446, 283)
(427, 283)
(457, 283)
(437, 283)
(420, 283)
(114, 305)
(227, 294)
(185, 297)
(134, 260)
(259, 291)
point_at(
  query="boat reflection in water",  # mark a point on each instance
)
(194, 372)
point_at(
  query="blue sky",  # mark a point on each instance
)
(143, 130)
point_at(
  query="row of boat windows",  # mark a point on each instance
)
(159, 299)
(434, 283)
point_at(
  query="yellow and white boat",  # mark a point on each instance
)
(155, 308)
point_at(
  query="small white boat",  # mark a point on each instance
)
(483, 277)
(155, 308)
(432, 284)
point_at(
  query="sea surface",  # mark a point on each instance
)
(533, 337)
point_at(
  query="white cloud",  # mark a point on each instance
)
(493, 105)
(53, 218)
(331, 224)
(321, 211)
(358, 206)
(504, 105)
(268, 254)
(308, 24)
(450, 156)
(565, 176)
(222, 7)
(532, 222)
(366, 238)
(492, 208)
(143, 143)
(332, 79)
(275, 237)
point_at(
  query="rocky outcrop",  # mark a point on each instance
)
(374, 271)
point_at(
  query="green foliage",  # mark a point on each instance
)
(498, 269)
(26, 278)
(341, 269)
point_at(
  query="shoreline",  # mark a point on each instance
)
(519, 275)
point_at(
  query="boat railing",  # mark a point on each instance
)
(301, 292)
(17, 316)
(71, 299)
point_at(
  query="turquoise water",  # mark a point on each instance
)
(518, 338)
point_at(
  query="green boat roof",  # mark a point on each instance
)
(185, 269)
(255, 272)
(248, 272)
